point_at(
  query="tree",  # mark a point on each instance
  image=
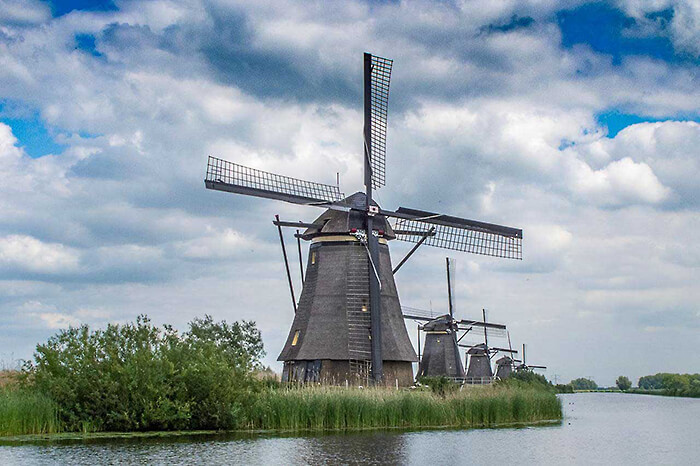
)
(623, 383)
(583, 384)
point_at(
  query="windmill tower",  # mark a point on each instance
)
(348, 320)
(441, 351)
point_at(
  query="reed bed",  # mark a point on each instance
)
(333, 408)
(24, 412)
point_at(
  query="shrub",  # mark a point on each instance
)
(439, 385)
(138, 376)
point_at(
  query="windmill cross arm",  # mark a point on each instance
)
(456, 233)
(231, 177)
(457, 222)
(478, 323)
(282, 223)
(505, 350)
(536, 367)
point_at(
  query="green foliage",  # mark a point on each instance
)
(583, 384)
(623, 383)
(439, 385)
(27, 412)
(531, 377)
(672, 384)
(140, 377)
(338, 408)
(564, 388)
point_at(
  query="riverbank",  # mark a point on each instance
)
(664, 392)
(319, 409)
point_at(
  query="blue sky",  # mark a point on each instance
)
(575, 121)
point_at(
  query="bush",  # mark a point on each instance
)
(439, 385)
(583, 384)
(140, 377)
(623, 383)
(564, 388)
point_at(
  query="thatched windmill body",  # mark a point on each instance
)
(348, 320)
(442, 335)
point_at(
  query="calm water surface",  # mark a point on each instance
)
(598, 428)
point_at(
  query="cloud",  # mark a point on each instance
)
(619, 183)
(489, 118)
(24, 13)
(25, 253)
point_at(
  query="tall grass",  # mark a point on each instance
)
(332, 408)
(26, 412)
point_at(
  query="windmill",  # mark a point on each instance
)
(528, 367)
(504, 365)
(479, 366)
(441, 351)
(348, 319)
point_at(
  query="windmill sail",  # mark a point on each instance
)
(378, 106)
(227, 176)
(459, 234)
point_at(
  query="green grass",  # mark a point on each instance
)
(333, 408)
(23, 412)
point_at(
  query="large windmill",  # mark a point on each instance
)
(348, 320)
(442, 334)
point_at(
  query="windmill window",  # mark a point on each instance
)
(313, 257)
(295, 340)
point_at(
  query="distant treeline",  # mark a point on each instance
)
(670, 384)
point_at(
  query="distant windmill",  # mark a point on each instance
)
(528, 367)
(504, 365)
(441, 351)
(479, 364)
(348, 320)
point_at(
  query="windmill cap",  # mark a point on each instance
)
(477, 349)
(335, 222)
(441, 323)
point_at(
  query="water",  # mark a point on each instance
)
(599, 428)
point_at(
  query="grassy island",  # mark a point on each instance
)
(141, 378)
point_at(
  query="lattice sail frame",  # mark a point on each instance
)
(261, 182)
(423, 314)
(471, 240)
(379, 105)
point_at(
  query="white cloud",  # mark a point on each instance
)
(24, 12)
(619, 183)
(29, 254)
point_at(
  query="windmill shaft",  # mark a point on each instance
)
(301, 260)
(372, 241)
(449, 287)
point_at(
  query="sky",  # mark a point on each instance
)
(575, 121)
